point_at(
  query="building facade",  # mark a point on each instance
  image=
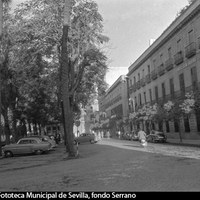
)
(113, 107)
(169, 69)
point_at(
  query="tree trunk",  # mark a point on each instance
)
(14, 124)
(67, 106)
(1, 31)
(179, 130)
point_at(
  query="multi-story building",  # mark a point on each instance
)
(114, 106)
(170, 68)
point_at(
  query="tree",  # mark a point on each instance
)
(175, 110)
(1, 35)
(35, 30)
(146, 114)
(87, 55)
(65, 96)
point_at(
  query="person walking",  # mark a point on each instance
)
(142, 137)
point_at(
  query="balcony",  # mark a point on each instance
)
(154, 74)
(132, 89)
(169, 64)
(178, 58)
(138, 85)
(148, 78)
(190, 50)
(142, 82)
(161, 69)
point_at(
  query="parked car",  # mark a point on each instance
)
(85, 137)
(126, 136)
(51, 141)
(156, 136)
(134, 137)
(27, 145)
(46, 138)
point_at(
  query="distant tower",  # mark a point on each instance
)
(95, 102)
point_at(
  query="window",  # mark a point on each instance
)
(167, 126)
(149, 69)
(169, 52)
(156, 93)
(179, 45)
(24, 142)
(130, 82)
(154, 64)
(191, 36)
(138, 76)
(145, 99)
(198, 120)
(140, 99)
(186, 124)
(34, 141)
(160, 125)
(161, 58)
(134, 79)
(143, 73)
(194, 78)
(163, 90)
(171, 84)
(135, 102)
(176, 127)
(150, 95)
(182, 84)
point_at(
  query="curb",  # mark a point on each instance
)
(183, 144)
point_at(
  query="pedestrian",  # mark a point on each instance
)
(119, 134)
(142, 137)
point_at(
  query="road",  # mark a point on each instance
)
(109, 165)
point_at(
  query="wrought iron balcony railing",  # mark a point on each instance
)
(190, 50)
(161, 69)
(148, 78)
(138, 85)
(142, 82)
(169, 64)
(154, 74)
(178, 58)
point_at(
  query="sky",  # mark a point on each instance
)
(130, 24)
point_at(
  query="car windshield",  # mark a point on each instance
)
(160, 134)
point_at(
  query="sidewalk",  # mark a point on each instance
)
(185, 142)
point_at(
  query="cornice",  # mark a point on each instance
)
(176, 26)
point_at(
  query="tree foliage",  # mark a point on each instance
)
(32, 53)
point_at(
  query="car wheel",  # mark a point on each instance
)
(38, 152)
(92, 141)
(8, 154)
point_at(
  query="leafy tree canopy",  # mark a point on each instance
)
(34, 34)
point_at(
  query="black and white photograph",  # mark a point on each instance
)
(99, 98)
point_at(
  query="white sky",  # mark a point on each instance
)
(130, 24)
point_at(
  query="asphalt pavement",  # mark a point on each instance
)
(109, 165)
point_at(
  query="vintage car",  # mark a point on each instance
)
(46, 138)
(85, 137)
(24, 146)
(156, 136)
